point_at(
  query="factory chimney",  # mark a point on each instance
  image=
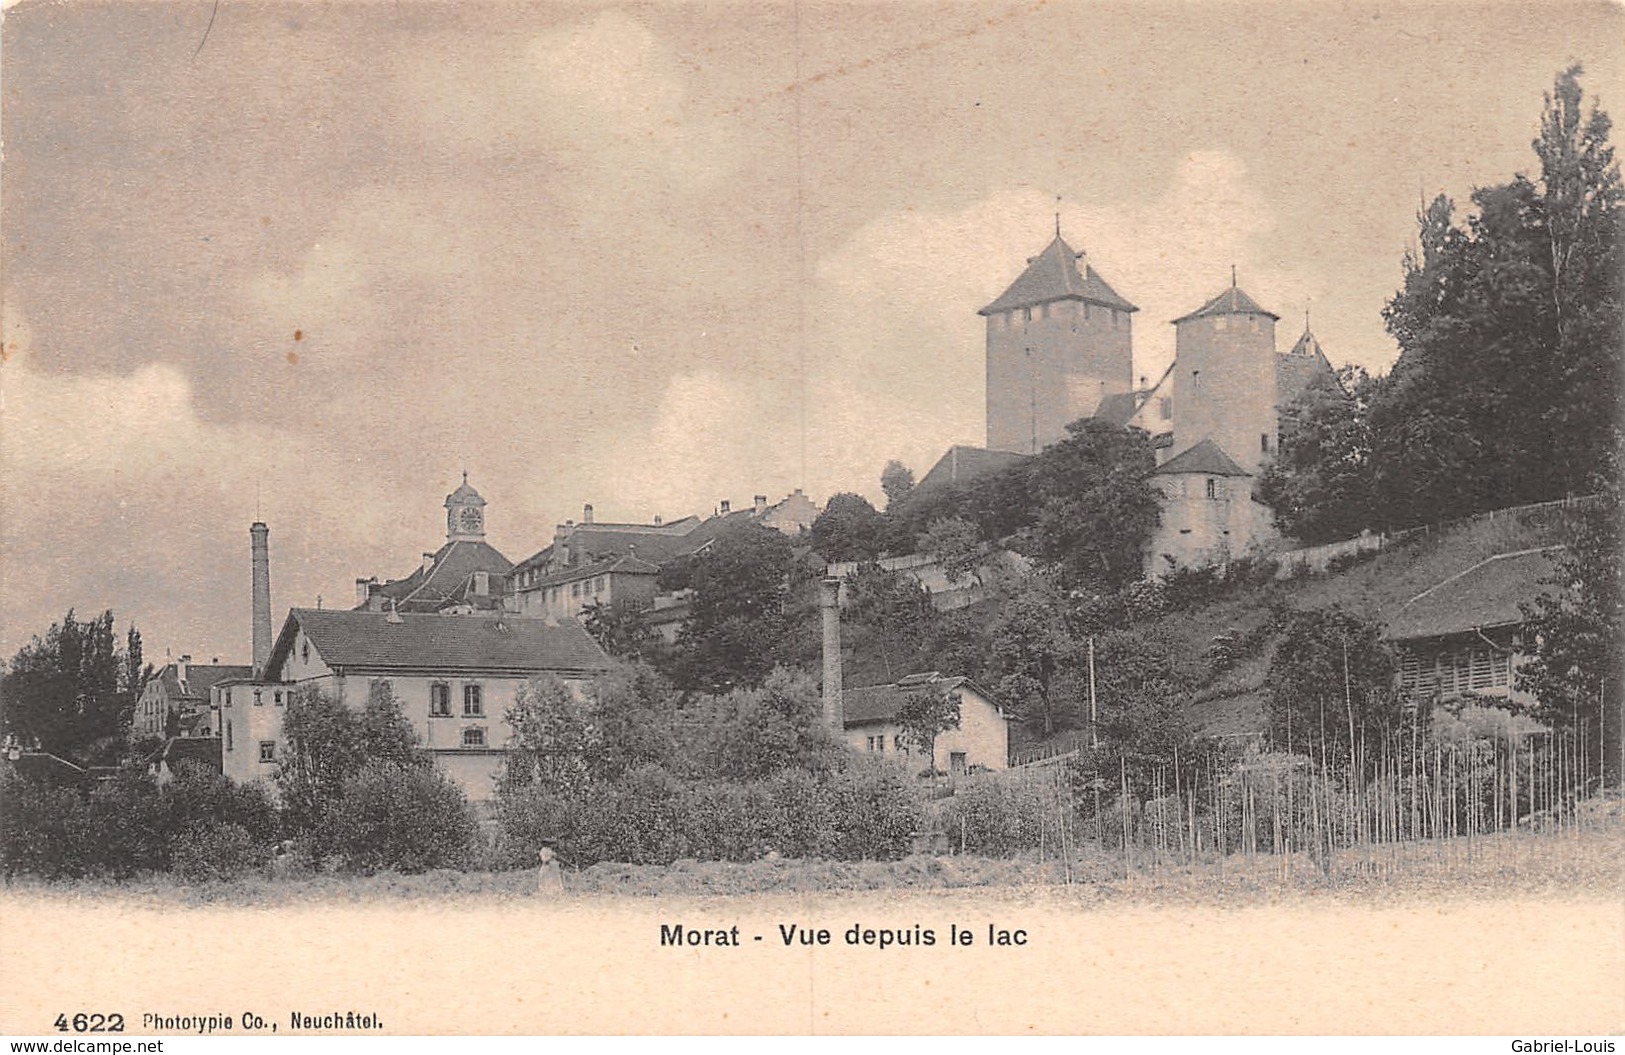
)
(259, 536)
(829, 599)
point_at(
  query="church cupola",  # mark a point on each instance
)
(465, 514)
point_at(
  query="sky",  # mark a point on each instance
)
(308, 262)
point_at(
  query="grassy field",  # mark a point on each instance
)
(1585, 861)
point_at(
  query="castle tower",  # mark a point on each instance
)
(465, 514)
(1224, 379)
(1058, 341)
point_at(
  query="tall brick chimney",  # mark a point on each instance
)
(829, 600)
(259, 543)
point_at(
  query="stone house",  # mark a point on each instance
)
(982, 739)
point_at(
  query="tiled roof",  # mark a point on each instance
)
(1119, 407)
(591, 542)
(1300, 367)
(454, 564)
(1231, 302)
(960, 464)
(1206, 458)
(382, 641)
(200, 678)
(628, 565)
(1486, 595)
(879, 703)
(1054, 275)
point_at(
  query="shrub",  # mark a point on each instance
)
(390, 817)
(224, 851)
(44, 829)
(1001, 817)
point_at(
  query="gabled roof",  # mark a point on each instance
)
(1054, 275)
(1486, 595)
(454, 565)
(200, 678)
(880, 703)
(593, 542)
(1302, 366)
(961, 464)
(1231, 302)
(1206, 458)
(383, 641)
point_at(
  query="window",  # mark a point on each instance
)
(276, 698)
(267, 750)
(1222, 322)
(304, 650)
(228, 700)
(259, 698)
(1212, 488)
(956, 762)
(897, 745)
(869, 743)
(575, 589)
(1026, 315)
(1165, 406)
(473, 702)
(1264, 442)
(228, 734)
(439, 700)
(474, 737)
(598, 585)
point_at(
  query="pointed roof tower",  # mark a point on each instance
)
(1054, 275)
(1232, 301)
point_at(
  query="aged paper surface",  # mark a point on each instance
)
(305, 262)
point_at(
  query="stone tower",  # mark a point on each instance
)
(1058, 341)
(465, 514)
(1224, 379)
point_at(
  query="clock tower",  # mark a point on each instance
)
(465, 514)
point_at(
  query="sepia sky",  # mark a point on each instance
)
(313, 259)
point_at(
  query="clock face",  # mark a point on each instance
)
(468, 519)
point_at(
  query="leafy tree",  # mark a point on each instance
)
(73, 691)
(1506, 389)
(328, 743)
(1095, 506)
(553, 740)
(926, 715)
(776, 727)
(633, 711)
(1578, 632)
(850, 528)
(1319, 486)
(897, 480)
(620, 630)
(888, 625)
(1033, 655)
(739, 625)
(956, 546)
(398, 818)
(1331, 683)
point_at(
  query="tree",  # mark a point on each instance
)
(553, 738)
(888, 624)
(403, 819)
(849, 528)
(777, 727)
(926, 715)
(633, 713)
(619, 629)
(1319, 485)
(1331, 683)
(897, 480)
(1032, 654)
(73, 691)
(738, 627)
(1579, 632)
(954, 543)
(328, 743)
(1095, 506)
(1506, 390)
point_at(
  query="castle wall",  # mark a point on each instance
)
(1079, 353)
